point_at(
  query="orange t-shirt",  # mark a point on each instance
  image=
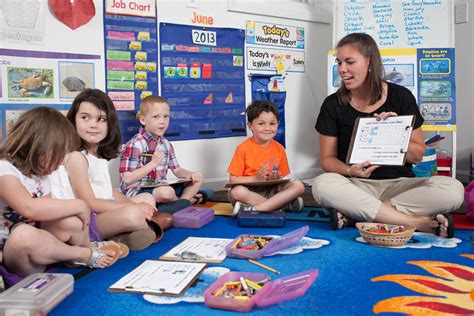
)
(249, 156)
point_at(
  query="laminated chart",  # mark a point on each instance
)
(383, 142)
(203, 79)
(131, 64)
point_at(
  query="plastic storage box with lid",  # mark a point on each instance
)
(275, 244)
(193, 217)
(280, 290)
(36, 294)
(261, 219)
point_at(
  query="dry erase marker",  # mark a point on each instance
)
(245, 286)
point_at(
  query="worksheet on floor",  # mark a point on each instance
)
(159, 277)
(383, 142)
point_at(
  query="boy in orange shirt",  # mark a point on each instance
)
(261, 158)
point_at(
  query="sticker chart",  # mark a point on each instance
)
(380, 142)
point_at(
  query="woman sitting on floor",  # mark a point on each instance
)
(365, 192)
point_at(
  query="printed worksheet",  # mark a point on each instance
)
(199, 249)
(382, 142)
(159, 277)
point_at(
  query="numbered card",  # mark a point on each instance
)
(208, 38)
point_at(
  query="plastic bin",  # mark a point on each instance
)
(274, 245)
(280, 290)
(261, 219)
(36, 294)
(193, 217)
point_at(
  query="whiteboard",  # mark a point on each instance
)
(397, 23)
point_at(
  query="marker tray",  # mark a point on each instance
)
(274, 245)
(36, 294)
(280, 290)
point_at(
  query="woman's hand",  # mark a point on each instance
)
(361, 170)
(384, 115)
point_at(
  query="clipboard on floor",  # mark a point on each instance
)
(199, 249)
(159, 183)
(159, 278)
(383, 142)
(258, 183)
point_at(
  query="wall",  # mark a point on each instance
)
(305, 93)
(464, 34)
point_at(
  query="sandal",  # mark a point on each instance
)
(199, 198)
(335, 217)
(436, 225)
(124, 250)
(97, 254)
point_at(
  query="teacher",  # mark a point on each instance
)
(366, 192)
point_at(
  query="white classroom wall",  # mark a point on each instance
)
(305, 93)
(464, 41)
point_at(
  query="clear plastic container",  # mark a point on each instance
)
(280, 290)
(274, 245)
(193, 217)
(36, 294)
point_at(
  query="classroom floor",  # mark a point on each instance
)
(354, 278)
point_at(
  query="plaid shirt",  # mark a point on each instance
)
(132, 158)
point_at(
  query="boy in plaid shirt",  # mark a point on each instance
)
(148, 156)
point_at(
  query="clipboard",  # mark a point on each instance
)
(159, 278)
(159, 183)
(258, 183)
(382, 142)
(197, 249)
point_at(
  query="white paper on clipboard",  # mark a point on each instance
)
(383, 142)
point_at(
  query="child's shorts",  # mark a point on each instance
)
(265, 191)
(178, 189)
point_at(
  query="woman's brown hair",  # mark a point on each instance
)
(367, 48)
(39, 140)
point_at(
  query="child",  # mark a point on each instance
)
(35, 147)
(148, 156)
(261, 158)
(95, 119)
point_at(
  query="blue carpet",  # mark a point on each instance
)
(344, 286)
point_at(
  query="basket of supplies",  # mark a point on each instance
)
(385, 235)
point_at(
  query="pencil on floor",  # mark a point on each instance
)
(264, 266)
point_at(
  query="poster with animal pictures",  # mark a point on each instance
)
(49, 52)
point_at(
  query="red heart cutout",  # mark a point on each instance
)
(73, 13)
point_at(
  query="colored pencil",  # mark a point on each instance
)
(264, 266)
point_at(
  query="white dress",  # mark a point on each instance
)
(99, 177)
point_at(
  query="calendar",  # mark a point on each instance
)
(383, 142)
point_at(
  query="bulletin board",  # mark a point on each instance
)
(131, 61)
(203, 79)
(43, 59)
(416, 39)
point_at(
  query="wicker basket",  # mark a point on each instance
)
(385, 239)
